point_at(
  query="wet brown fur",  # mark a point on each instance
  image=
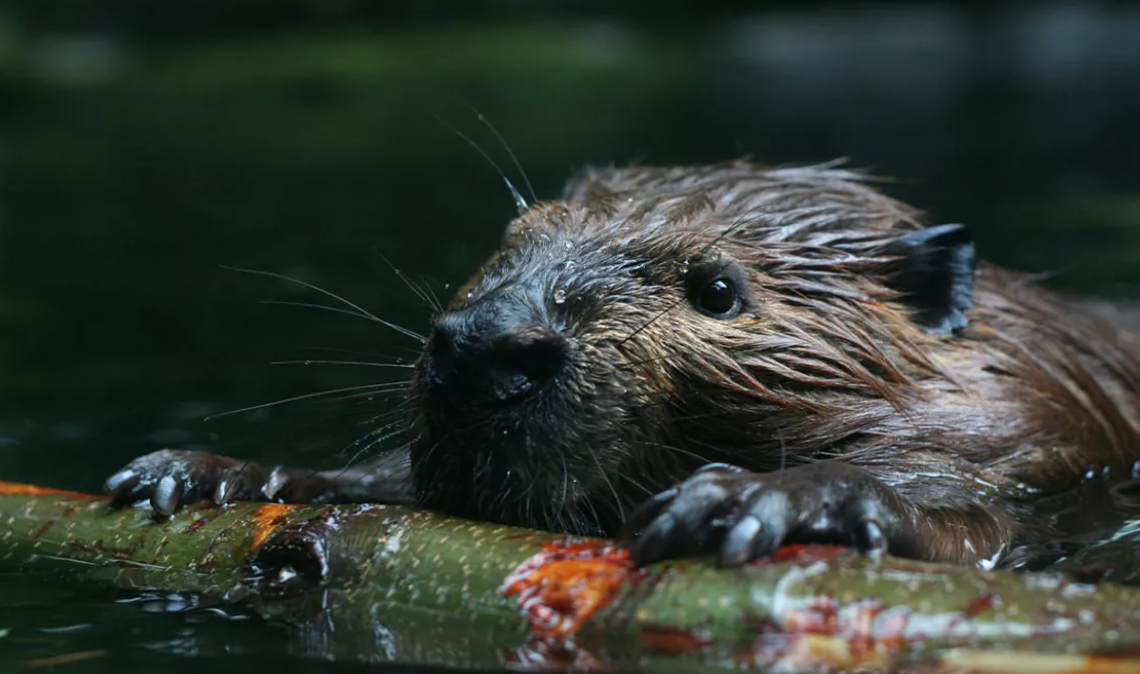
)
(973, 431)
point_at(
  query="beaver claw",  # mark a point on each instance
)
(169, 479)
(748, 515)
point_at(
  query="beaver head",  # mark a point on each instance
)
(656, 319)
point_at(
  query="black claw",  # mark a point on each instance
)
(121, 484)
(739, 542)
(277, 481)
(748, 515)
(167, 495)
(772, 508)
(771, 539)
(760, 531)
(872, 538)
(227, 484)
(654, 543)
(169, 479)
(644, 514)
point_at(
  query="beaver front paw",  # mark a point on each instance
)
(169, 479)
(748, 515)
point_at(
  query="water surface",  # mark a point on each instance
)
(140, 154)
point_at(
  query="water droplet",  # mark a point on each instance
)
(560, 296)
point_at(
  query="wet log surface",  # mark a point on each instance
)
(384, 583)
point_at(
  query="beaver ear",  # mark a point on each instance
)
(934, 271)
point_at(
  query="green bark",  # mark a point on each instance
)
(393, 584)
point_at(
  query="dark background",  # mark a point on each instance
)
(144, 144)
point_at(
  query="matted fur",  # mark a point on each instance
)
(974, 430)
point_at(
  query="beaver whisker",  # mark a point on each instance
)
(629, 479)
(363, 313)
(318, 307)
(337, 310)
(365, 363)
(426, 297)
(374, 438)
(386, 387)
(519, 201)
(511, 153)
(605, 477)
(429, 455)
(366, 415)
(352, 461)
(383, 390)
(412, 354)
(647, 361)
(566, 518)
(594, 516)
(430, 298)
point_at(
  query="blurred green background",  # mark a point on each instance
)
(144, 144)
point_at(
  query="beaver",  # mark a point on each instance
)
(724, 359)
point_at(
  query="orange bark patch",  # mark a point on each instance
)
(266, 520)
(19, 489)
(670, 640)
(801, 554)
(561, 587)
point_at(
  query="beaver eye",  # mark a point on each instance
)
(719, 299)
(718, 287)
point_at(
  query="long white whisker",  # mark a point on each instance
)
(520, 203)
(365, 363)
(322, 307)
(306, 396)
(427, 299)
(310, 286)
(510, 152)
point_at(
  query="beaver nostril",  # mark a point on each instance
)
(526, 359)
(493, 352)
(538, 354)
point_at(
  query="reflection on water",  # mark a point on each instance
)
(141, 151)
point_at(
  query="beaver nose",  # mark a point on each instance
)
(497, 347)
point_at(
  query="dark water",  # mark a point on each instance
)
(141, 151)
